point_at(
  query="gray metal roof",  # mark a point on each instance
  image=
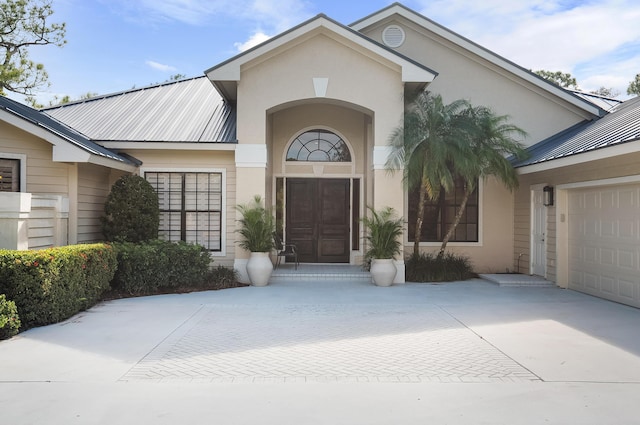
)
(620, 125)
(59, 129)
(189, 110)
(602, 102)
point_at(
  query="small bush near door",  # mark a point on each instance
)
(429, 267)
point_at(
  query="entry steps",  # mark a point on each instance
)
(313, 271)
(517, 280)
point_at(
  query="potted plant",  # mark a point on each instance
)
(256, 230)
(383, 236)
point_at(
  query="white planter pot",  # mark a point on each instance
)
(383, 271)
(259, 268)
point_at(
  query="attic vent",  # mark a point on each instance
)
(393, 36)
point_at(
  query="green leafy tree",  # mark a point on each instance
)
(634, 86)
(25, 23)
(560, 78)
(131, 211)
(422, 148)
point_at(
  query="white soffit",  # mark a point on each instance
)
(476, 49)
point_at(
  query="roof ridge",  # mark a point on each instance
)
(122, 92)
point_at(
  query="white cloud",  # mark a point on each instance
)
(265, 16)
(278, 15)
(160, 66)
(589, 39)
(253, 41)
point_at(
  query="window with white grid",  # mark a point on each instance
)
(190, 206)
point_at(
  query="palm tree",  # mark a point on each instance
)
(442, 142)
(424, 148)
(484, 151)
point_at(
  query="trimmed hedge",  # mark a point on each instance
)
(151, 267)
(9, 320)
(51, 285)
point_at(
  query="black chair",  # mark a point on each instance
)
(284, 250)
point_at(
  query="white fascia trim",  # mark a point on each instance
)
(230, 71)
(63, 150)
(477, 50)
(581, 158)
(603, 182)
(109, 163)
(170, 146)
(251, 156)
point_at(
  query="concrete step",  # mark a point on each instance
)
(287, 272)
(514, 279)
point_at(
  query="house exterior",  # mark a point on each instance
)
(304, 120)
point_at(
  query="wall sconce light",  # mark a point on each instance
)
(548, 196)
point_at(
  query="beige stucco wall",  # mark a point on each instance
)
(289, 123)
(464, 75)
(619, 166)
(172, 160)
(286, 75)
(277, 100)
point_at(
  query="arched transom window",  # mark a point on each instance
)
(319, 146)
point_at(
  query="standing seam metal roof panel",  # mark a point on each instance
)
(59, 129)
(620, 125)
(183, 111)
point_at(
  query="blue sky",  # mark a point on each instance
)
(114, 45)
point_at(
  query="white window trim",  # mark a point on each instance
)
(351, 164)
(23, 167)
(223, 171)
(453, 244)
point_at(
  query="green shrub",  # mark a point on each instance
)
(149, 267)
(9, 320)
(429, 267)
(131, 211)
(51, 285)
(221, 278)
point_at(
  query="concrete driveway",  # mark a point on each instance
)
(318, 352)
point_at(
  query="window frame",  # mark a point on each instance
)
(479, 243)
(22, 158)
(319, 129)
(223, 206)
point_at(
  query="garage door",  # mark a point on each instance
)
(604, 242)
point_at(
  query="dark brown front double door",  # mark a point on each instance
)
(318, 219)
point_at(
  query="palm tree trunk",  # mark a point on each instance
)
(419, 220)
(456, 220)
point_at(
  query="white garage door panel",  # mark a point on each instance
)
(604, 242)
